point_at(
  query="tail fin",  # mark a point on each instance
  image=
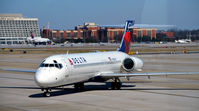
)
(126, 39)
(31, 34)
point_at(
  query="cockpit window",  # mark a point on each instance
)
(45, 65)
(54, 61)
(41, 65)
(59, 66)
(56, 65)
(51, 65)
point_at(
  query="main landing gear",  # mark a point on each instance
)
(46, 92)
(79, 86)
(116, 84)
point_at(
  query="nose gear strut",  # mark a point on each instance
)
(46, 92)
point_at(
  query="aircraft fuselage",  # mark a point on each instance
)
(66, 69)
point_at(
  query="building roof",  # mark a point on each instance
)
(11, 15)
(14, 17)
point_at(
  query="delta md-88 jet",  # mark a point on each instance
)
(78, 68)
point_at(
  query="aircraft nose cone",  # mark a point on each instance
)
(40, 79)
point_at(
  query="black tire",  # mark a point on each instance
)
(46, 94)
(115, 85)
(76, 87)
(79, 86)
(118, 85)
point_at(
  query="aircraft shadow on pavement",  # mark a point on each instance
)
(67, 91)
(106, 87)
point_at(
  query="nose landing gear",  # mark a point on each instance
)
(46, 92)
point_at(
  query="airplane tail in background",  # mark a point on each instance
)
(126, 39)
(31, 34)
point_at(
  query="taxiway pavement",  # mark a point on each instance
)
(18, 92)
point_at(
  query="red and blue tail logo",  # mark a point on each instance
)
(32, 36)
(126, 39)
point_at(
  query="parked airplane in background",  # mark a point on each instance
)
(183, 41)
(38, 40)
(78, 68)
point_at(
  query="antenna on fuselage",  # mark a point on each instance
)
(67, 52)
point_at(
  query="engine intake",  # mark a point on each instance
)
(132, 63)
(128, 63)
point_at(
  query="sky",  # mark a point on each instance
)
(66, 14)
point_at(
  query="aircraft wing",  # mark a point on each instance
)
(16, 70)
(109, 75)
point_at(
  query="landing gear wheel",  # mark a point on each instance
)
(116, 84)
(46, 93)
(79, 86)
(113, 85)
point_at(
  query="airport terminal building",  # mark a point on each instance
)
(14, 29)
(92, 32)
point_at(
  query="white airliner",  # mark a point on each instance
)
(33, 39)
(183, 41)
(78, 68)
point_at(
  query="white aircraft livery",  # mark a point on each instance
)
(78, 68)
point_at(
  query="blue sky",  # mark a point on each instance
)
(65, 14)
